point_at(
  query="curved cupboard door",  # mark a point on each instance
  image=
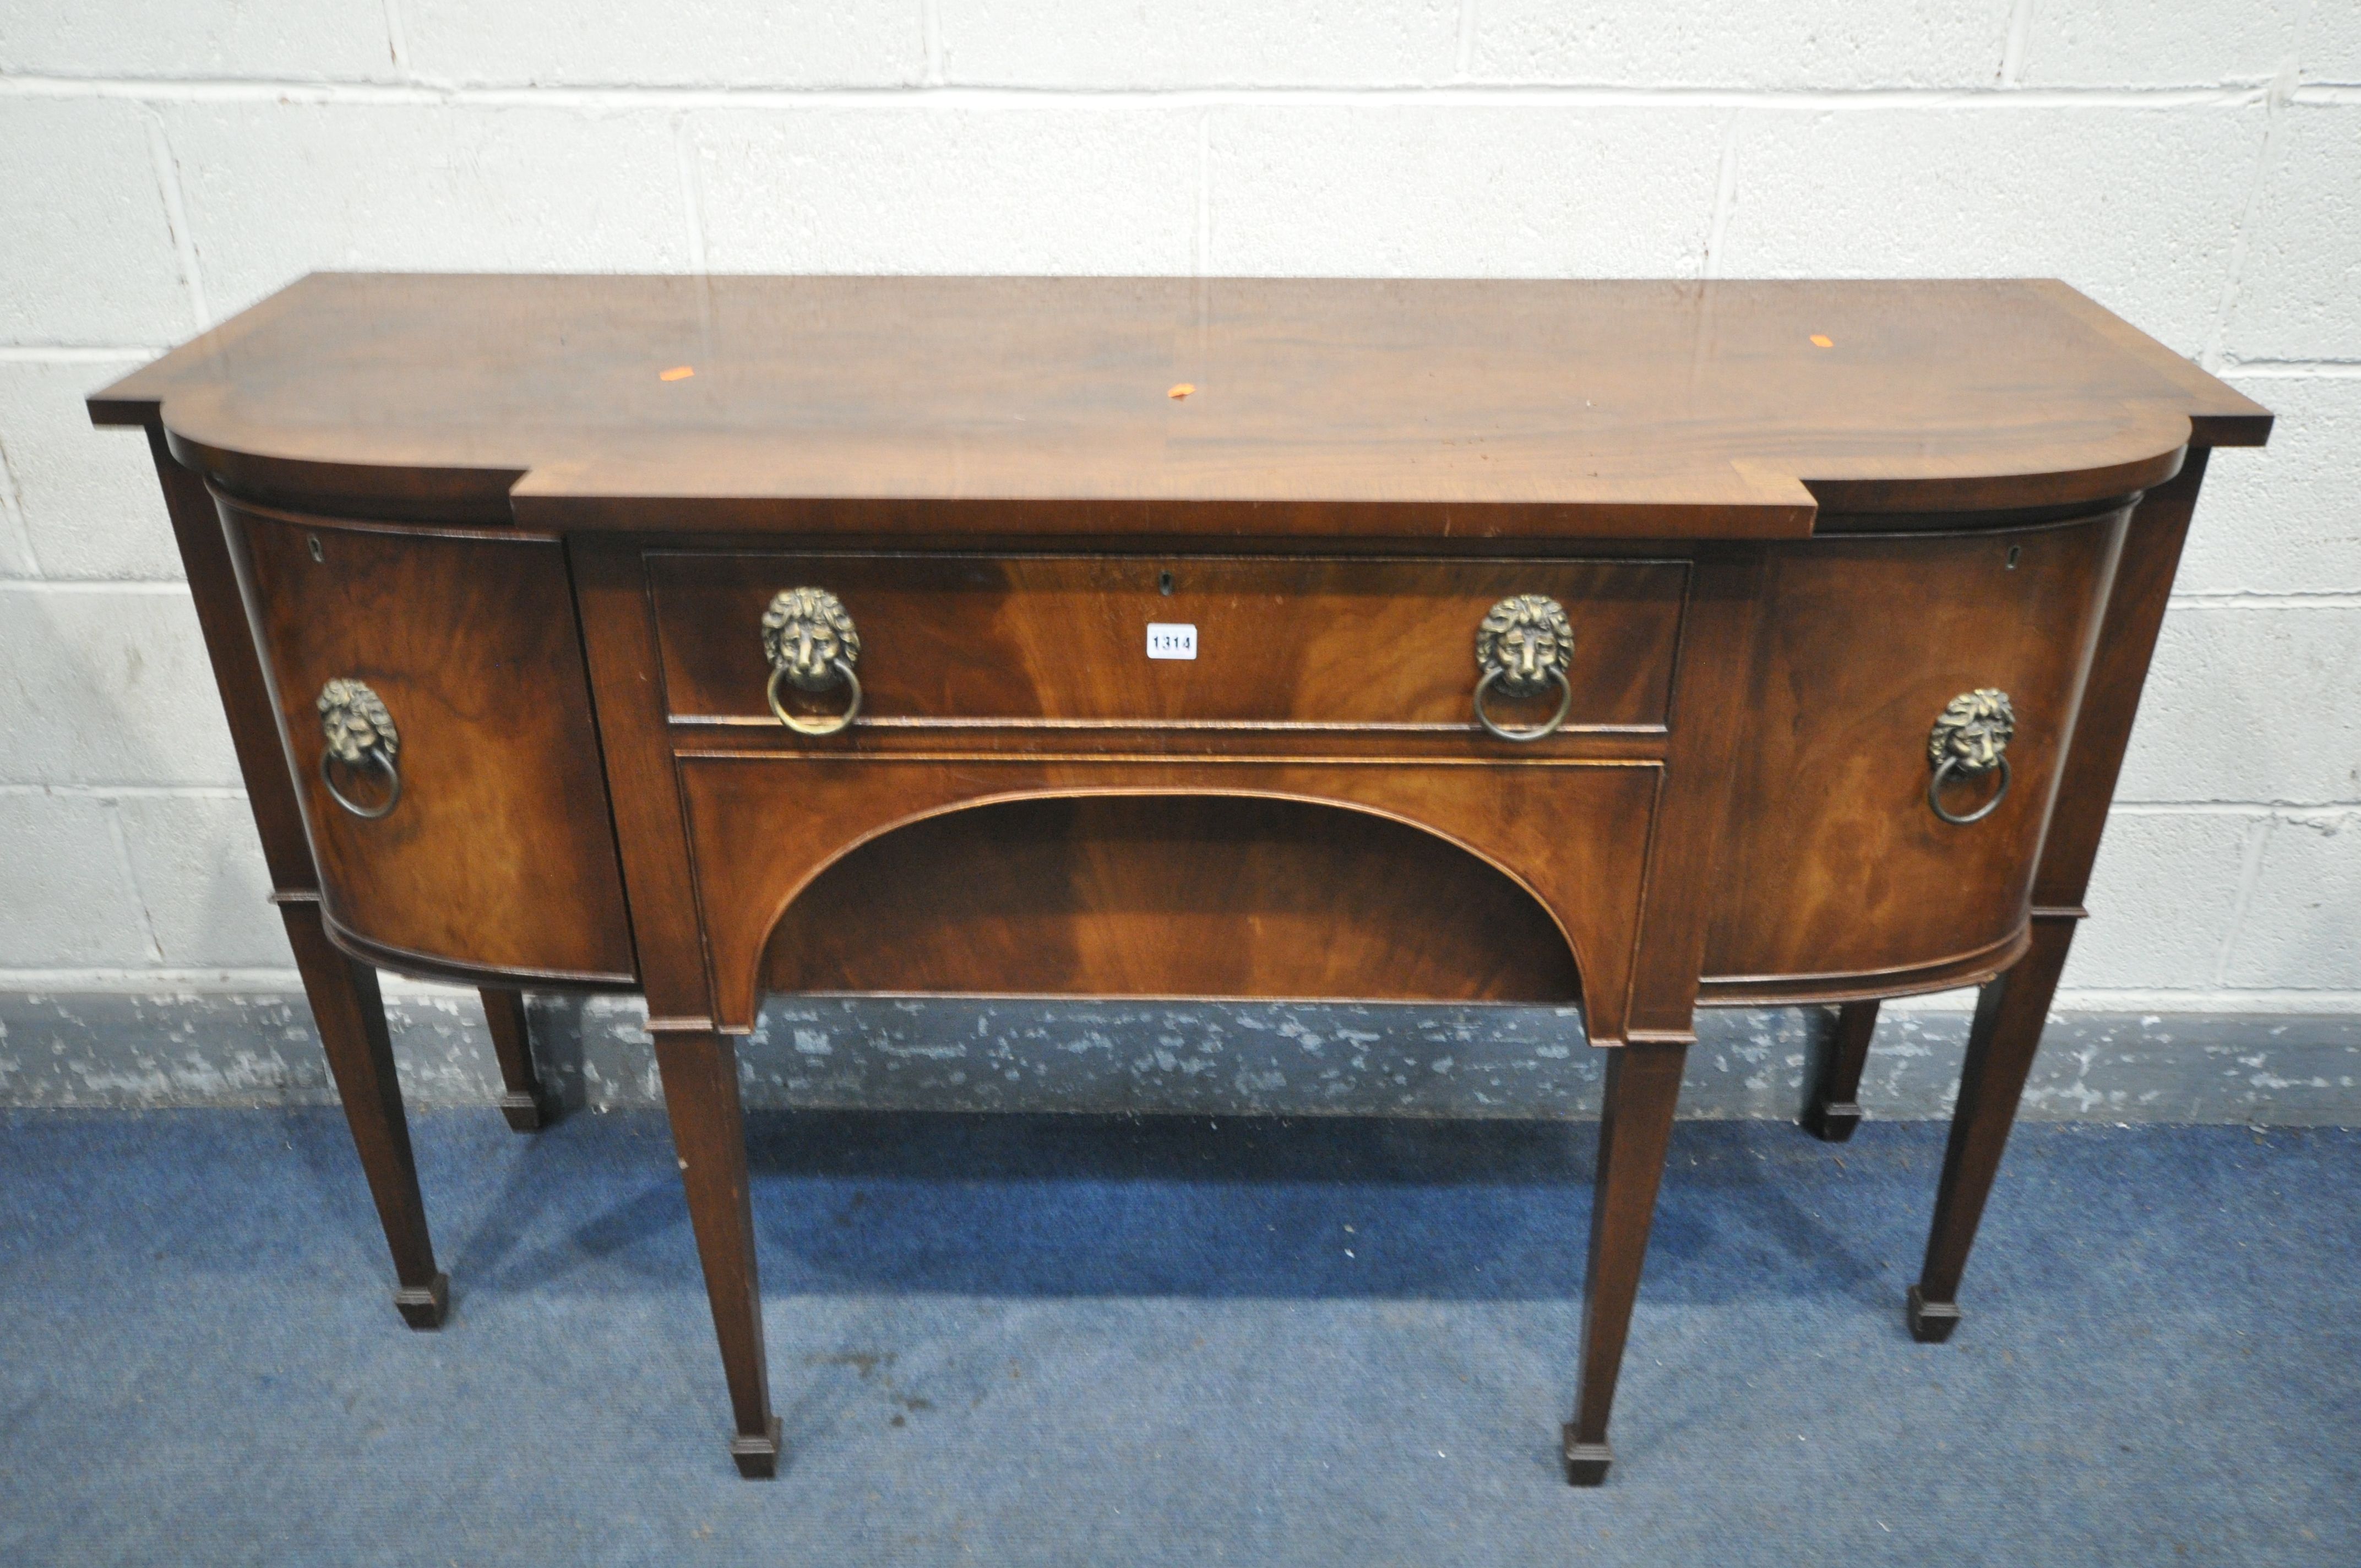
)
(1837, 875)
(497, 857)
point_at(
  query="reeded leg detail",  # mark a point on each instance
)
(708, 1132)
(523, 1102)
(350, 1012)
(1635, 1123)
(1832, 1100)
(2007, 1031)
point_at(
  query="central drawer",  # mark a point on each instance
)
(1331, 642)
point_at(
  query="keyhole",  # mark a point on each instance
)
(313, 540)
(2014, 551)
(1164, 584)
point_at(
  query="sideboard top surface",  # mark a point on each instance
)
(1214, 407)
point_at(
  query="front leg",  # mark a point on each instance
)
(2010, 1012)
(709, 1134)
(350, 1012)
(1635, 1123)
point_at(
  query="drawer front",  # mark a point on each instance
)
(1343, 643)
(497, 855)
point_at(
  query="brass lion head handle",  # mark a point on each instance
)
(1969, 741)
(1524, 645)
(359, 736)
(809, 638)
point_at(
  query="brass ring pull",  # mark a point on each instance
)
(1943, 774)
(809, 638)
(361, 733)
(1531, 732)
(374, 757)
(827, 724)
(1970, 739)
(1524, 644)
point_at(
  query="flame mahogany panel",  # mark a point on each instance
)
(499, 859)
(763, 825)
(1198, 895)
(1837, 875)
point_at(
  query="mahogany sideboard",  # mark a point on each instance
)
(1632, 645)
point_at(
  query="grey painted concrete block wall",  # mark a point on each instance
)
(2189, 162)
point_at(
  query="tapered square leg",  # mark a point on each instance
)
(709, 1134)
(1832, 1100)
(345, 1004)
(2007, 1031)
(1635, 1124)
(350, 1012)
(523, 1102)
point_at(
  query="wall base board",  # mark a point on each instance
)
(108, 1049)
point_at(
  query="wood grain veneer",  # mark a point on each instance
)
(1323, 408)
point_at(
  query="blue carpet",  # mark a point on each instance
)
(1038, 1339)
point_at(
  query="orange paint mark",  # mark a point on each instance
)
(1820, 342)
(677, 373)
(1181, 390)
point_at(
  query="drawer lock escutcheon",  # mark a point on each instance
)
(360, 736)
(809, 638)
(1967, 742)
(1525, 643)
